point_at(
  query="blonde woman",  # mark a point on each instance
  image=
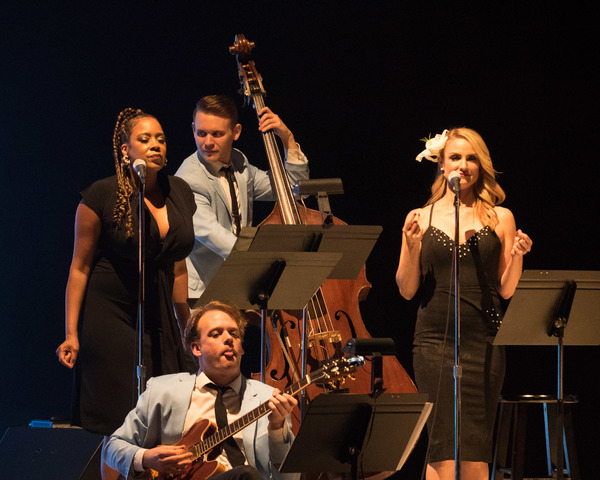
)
(491, 253)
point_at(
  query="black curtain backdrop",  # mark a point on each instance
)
(359, 83)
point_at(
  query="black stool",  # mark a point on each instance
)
(511, 431)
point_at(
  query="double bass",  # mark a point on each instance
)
(332, 315)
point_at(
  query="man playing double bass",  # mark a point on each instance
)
(218, 220)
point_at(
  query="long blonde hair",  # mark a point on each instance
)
(487, 192)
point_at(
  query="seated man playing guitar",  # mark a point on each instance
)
(170, 434)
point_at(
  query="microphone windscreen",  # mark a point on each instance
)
(453, 175)
(454, 181)
(139, 167)
(139, 163)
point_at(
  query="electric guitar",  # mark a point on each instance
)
(206, 440)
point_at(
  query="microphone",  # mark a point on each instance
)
(453, 180)
(139, 167)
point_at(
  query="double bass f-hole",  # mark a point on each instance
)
(289, 369)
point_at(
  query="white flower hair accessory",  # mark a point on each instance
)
(433, 146)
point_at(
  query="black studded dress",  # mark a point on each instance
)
(483, 364)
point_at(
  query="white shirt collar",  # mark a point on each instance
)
(202, 380)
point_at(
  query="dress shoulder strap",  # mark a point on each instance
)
(430, 214)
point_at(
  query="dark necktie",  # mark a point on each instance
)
(235, 211)
(232, 449)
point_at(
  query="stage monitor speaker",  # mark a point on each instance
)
(50, 453)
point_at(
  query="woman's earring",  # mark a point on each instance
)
(126, 160)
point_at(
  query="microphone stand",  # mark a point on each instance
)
(141, 368)
(457, 366)
(557, 328)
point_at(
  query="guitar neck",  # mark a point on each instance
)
(258, 412)
(224, 433)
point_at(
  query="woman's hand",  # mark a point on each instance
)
(408, 275)
(67, 352)
(521, 244)
(412, 231)
(515, 244)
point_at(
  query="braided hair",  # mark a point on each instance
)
(122, 214)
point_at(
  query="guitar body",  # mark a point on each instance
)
(205, 466)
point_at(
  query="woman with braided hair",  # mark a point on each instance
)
(102, 289)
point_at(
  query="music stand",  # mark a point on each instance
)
(535, 300)
(342, 432)
(242, 275)
(544, 304)
(282, 280)
(355, 242)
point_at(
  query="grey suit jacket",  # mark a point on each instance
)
(159, 417)
(212, 221)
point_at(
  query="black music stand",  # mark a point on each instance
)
(244, 274)
(281, 280)
(351, 242)
(355, 242)
(543, 306)
(344, 432)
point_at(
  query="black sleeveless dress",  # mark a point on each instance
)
(105, 386)
(483, 364)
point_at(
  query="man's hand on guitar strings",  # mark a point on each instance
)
(281, 405)
(167, 459)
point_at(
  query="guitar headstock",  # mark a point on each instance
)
(250, 79)
(335, 369)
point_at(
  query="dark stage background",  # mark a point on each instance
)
(359, 83)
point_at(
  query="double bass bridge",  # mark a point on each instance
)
(321, 339)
